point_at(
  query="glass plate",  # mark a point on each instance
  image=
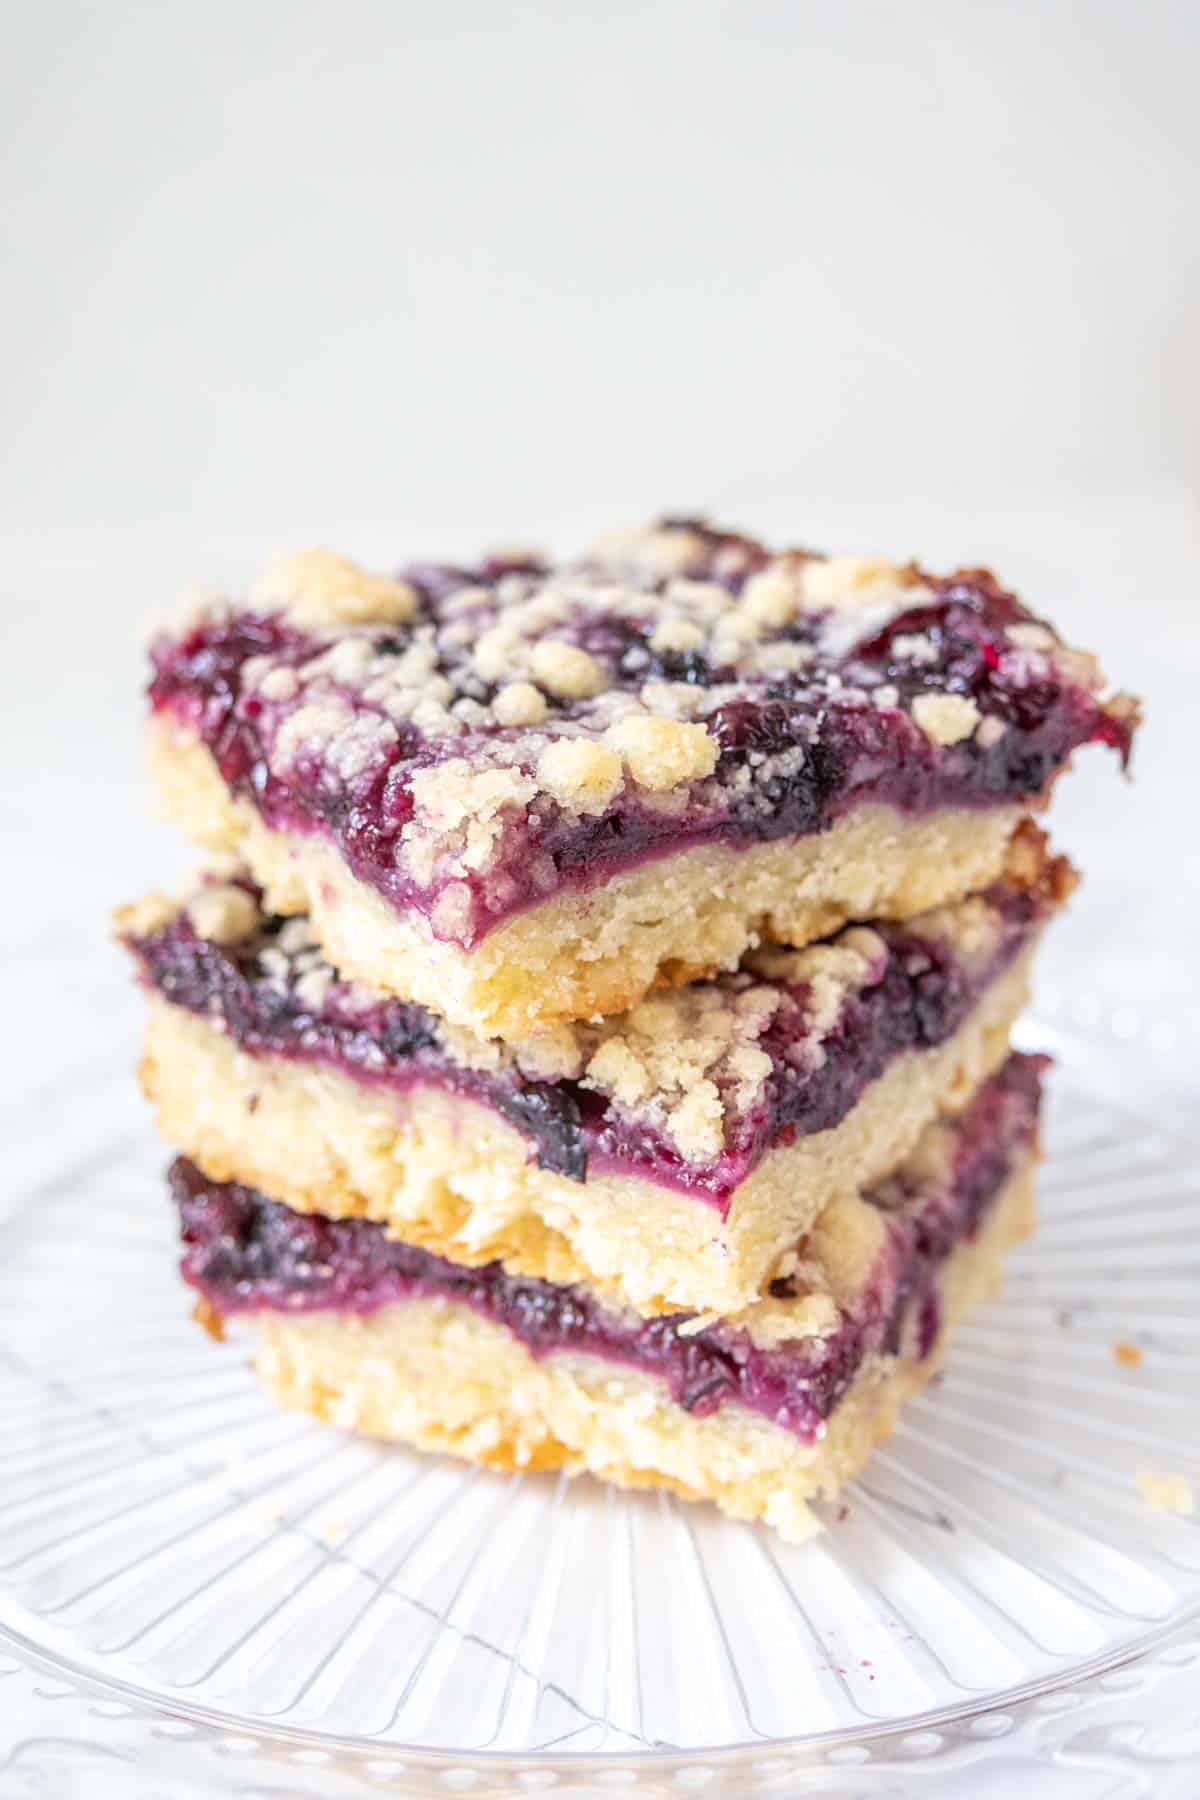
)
(169, 1540)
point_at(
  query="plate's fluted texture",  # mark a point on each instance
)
(165, 1532)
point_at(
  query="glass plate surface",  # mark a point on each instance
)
(169, 1539)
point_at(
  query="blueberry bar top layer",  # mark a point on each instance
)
(476, 740)
(245, 1252)
(690, 1088)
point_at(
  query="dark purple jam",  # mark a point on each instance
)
(834, 747)
(921, 995)
(246, 1253)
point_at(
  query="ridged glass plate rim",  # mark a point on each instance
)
(1180, 1636)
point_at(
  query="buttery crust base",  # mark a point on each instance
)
(593, 951)
(451, 1176)
(436, 1375)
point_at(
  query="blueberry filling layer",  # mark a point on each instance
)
(246, 1253)
(344, 744)
(913, 989)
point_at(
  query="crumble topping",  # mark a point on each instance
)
(519, 703)
(946, 718)
(856, 581)
(566, 671)
(223, 913)
(1045, 653)
(141, 918)
(672, 699)
(676, 633)
(349, 742)
(665, 549)
(850, 958)
(971, 928)
(453, 911)
(318, 587)
(458, 797)
(1031, 637)
(687, 1058)
(662, 753)
(582, 776)
(915, 647)
(278, 684)
(312, 989)
(831, 973)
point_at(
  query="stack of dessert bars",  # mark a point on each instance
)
(588, 1042)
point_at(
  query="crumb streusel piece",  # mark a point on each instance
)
(521, 794)
(669, 1154)
(760, 1412)
(1167, 1493)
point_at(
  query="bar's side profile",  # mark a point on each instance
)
(522, 794)
(761, 1413)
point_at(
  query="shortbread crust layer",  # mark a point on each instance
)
(759, 1413)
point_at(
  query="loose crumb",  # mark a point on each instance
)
(1128, 1355)
(210, 1320)
(1167, 1493)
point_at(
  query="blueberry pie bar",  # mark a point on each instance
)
(523, 793)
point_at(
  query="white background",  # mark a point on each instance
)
(492, 265)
